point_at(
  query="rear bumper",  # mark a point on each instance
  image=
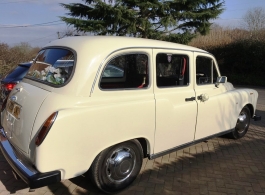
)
(25, 170)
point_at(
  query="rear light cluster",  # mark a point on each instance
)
(9, 86)
(44, 130)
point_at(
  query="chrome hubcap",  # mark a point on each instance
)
(120, 164)
(242, 122)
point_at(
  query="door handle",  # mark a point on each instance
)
(190, 99)
(203, 97)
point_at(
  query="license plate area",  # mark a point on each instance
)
(13, 108)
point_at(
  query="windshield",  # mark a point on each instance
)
(52, 66)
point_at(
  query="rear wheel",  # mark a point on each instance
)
(117, 167)
(242, 124)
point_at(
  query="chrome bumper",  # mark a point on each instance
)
(27, 172)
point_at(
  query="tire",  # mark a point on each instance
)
(117, 167)
(242, 124)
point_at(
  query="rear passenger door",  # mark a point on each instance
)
(176, 107)
(123, 98)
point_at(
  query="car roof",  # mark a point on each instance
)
(113, 43)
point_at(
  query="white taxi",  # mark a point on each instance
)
(99, 105)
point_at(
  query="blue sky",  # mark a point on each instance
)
(15, 13)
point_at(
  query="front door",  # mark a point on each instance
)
(176, 106)
(214, 104)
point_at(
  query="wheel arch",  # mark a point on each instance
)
(251, 109)
(122, 163)
(143, 142)
(145, 146)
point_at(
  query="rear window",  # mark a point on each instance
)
(52, 66)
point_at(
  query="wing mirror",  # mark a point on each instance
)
(221, 79)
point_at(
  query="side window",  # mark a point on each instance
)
(126, 71)
(172, 70)
(206, 72)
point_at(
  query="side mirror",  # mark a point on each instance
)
(221, 79)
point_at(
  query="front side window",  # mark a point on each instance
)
(126, 71)
(172, 70)
(206, 72)
(52, 66)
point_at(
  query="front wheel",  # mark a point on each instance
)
(117, 167)
(242, 124)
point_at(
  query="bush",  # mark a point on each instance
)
(242, 62)
(11, 56)
(239, 53)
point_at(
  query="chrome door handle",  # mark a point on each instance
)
(203, 97)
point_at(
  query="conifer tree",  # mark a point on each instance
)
(169, 20)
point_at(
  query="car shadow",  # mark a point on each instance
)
(9, 183)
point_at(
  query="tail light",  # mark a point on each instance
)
(44, 130)
(9, 86)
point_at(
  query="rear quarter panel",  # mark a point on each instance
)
(82, 131)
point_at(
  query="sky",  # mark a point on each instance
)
(37, 22)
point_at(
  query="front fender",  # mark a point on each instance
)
(245, 97)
